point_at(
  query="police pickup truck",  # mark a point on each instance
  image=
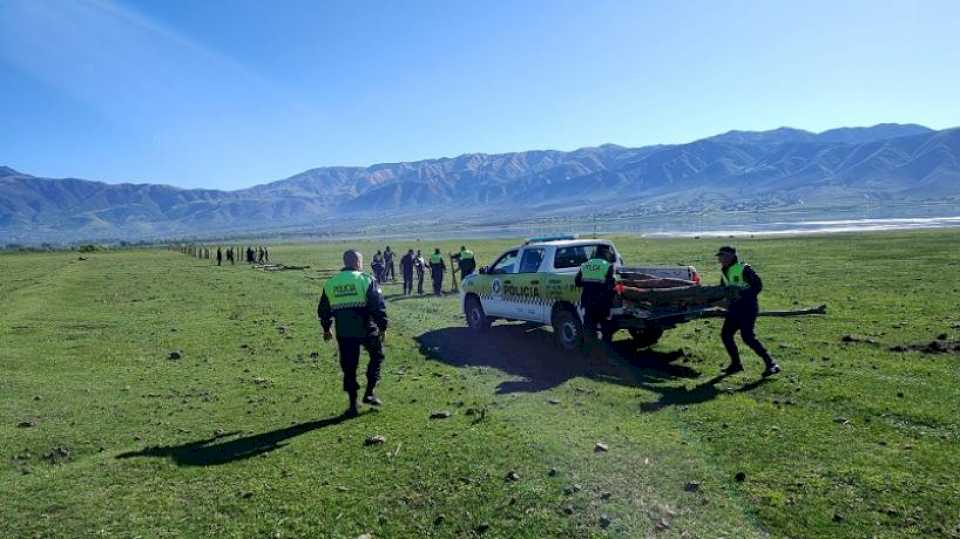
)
(534, 282)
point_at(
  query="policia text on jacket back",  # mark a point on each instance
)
(596, 278)
(354, 300)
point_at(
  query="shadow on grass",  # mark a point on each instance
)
(703, 392)
(528, 351)
(208, 453)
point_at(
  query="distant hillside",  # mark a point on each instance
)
(782, 168)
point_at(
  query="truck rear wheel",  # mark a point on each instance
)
(644, 338)
(477, 319)
(568, 330)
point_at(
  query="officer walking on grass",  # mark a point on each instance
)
(354, 300)
(742, 311)
(437, 269)
(596, 278)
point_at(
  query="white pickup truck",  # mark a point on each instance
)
(534, 282)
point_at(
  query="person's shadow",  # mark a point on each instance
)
(703, 392)
(208, 453)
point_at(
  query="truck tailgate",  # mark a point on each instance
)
(687, 273)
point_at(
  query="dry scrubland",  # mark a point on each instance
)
(101, 433)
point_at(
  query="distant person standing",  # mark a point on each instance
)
(377, 266)
(250, 255)
(230, 256)
(266, 255)
(420, 265)
(259, 255)
(465, 261)
(742, 312)
(406, 267)
(389, 266)
(437, 268)
(355, 302)
(219, 257)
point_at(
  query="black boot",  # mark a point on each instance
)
(352, 409)
(772, 368)
(733, 368)
(370, 398)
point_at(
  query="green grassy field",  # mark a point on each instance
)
(102, 434)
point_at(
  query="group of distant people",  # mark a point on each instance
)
(413, 263)
(232, 254)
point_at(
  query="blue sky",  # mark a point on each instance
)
(228, 94)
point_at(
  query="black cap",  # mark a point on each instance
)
(726, 250)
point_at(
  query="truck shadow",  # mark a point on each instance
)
(529, 353)
(212, 452)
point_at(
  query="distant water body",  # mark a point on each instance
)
(815, 227)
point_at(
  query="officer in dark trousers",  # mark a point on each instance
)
(437, 268)
(355, 301)
(465, 261)
(596, 278)
(406, 268)
(742, 312)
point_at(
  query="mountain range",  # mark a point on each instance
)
(780, 169)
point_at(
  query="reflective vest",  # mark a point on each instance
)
(436, 259)
(594, 270)
(466, 254)
(733, 276)
(347, 289)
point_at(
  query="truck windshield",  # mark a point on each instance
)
(573, 256)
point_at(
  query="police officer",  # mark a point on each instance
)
(406, 268)
(355, 301)
(437, 267)
(596, 278)
(466, 261)
(742, 311)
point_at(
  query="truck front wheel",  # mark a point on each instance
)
(645, 338)
(477, 319)
(567, 330)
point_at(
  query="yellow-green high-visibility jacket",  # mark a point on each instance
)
(733, 276)
(595, 270)
(354, 300)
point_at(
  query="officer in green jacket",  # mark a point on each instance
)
(465, 261)
(598, 281)
(742, 311)
(354, 300)
(437, 269)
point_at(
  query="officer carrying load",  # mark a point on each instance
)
(742, 312)
(355, 301)
(596, 278)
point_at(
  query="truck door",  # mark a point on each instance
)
(501, 273)
(526, 298)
